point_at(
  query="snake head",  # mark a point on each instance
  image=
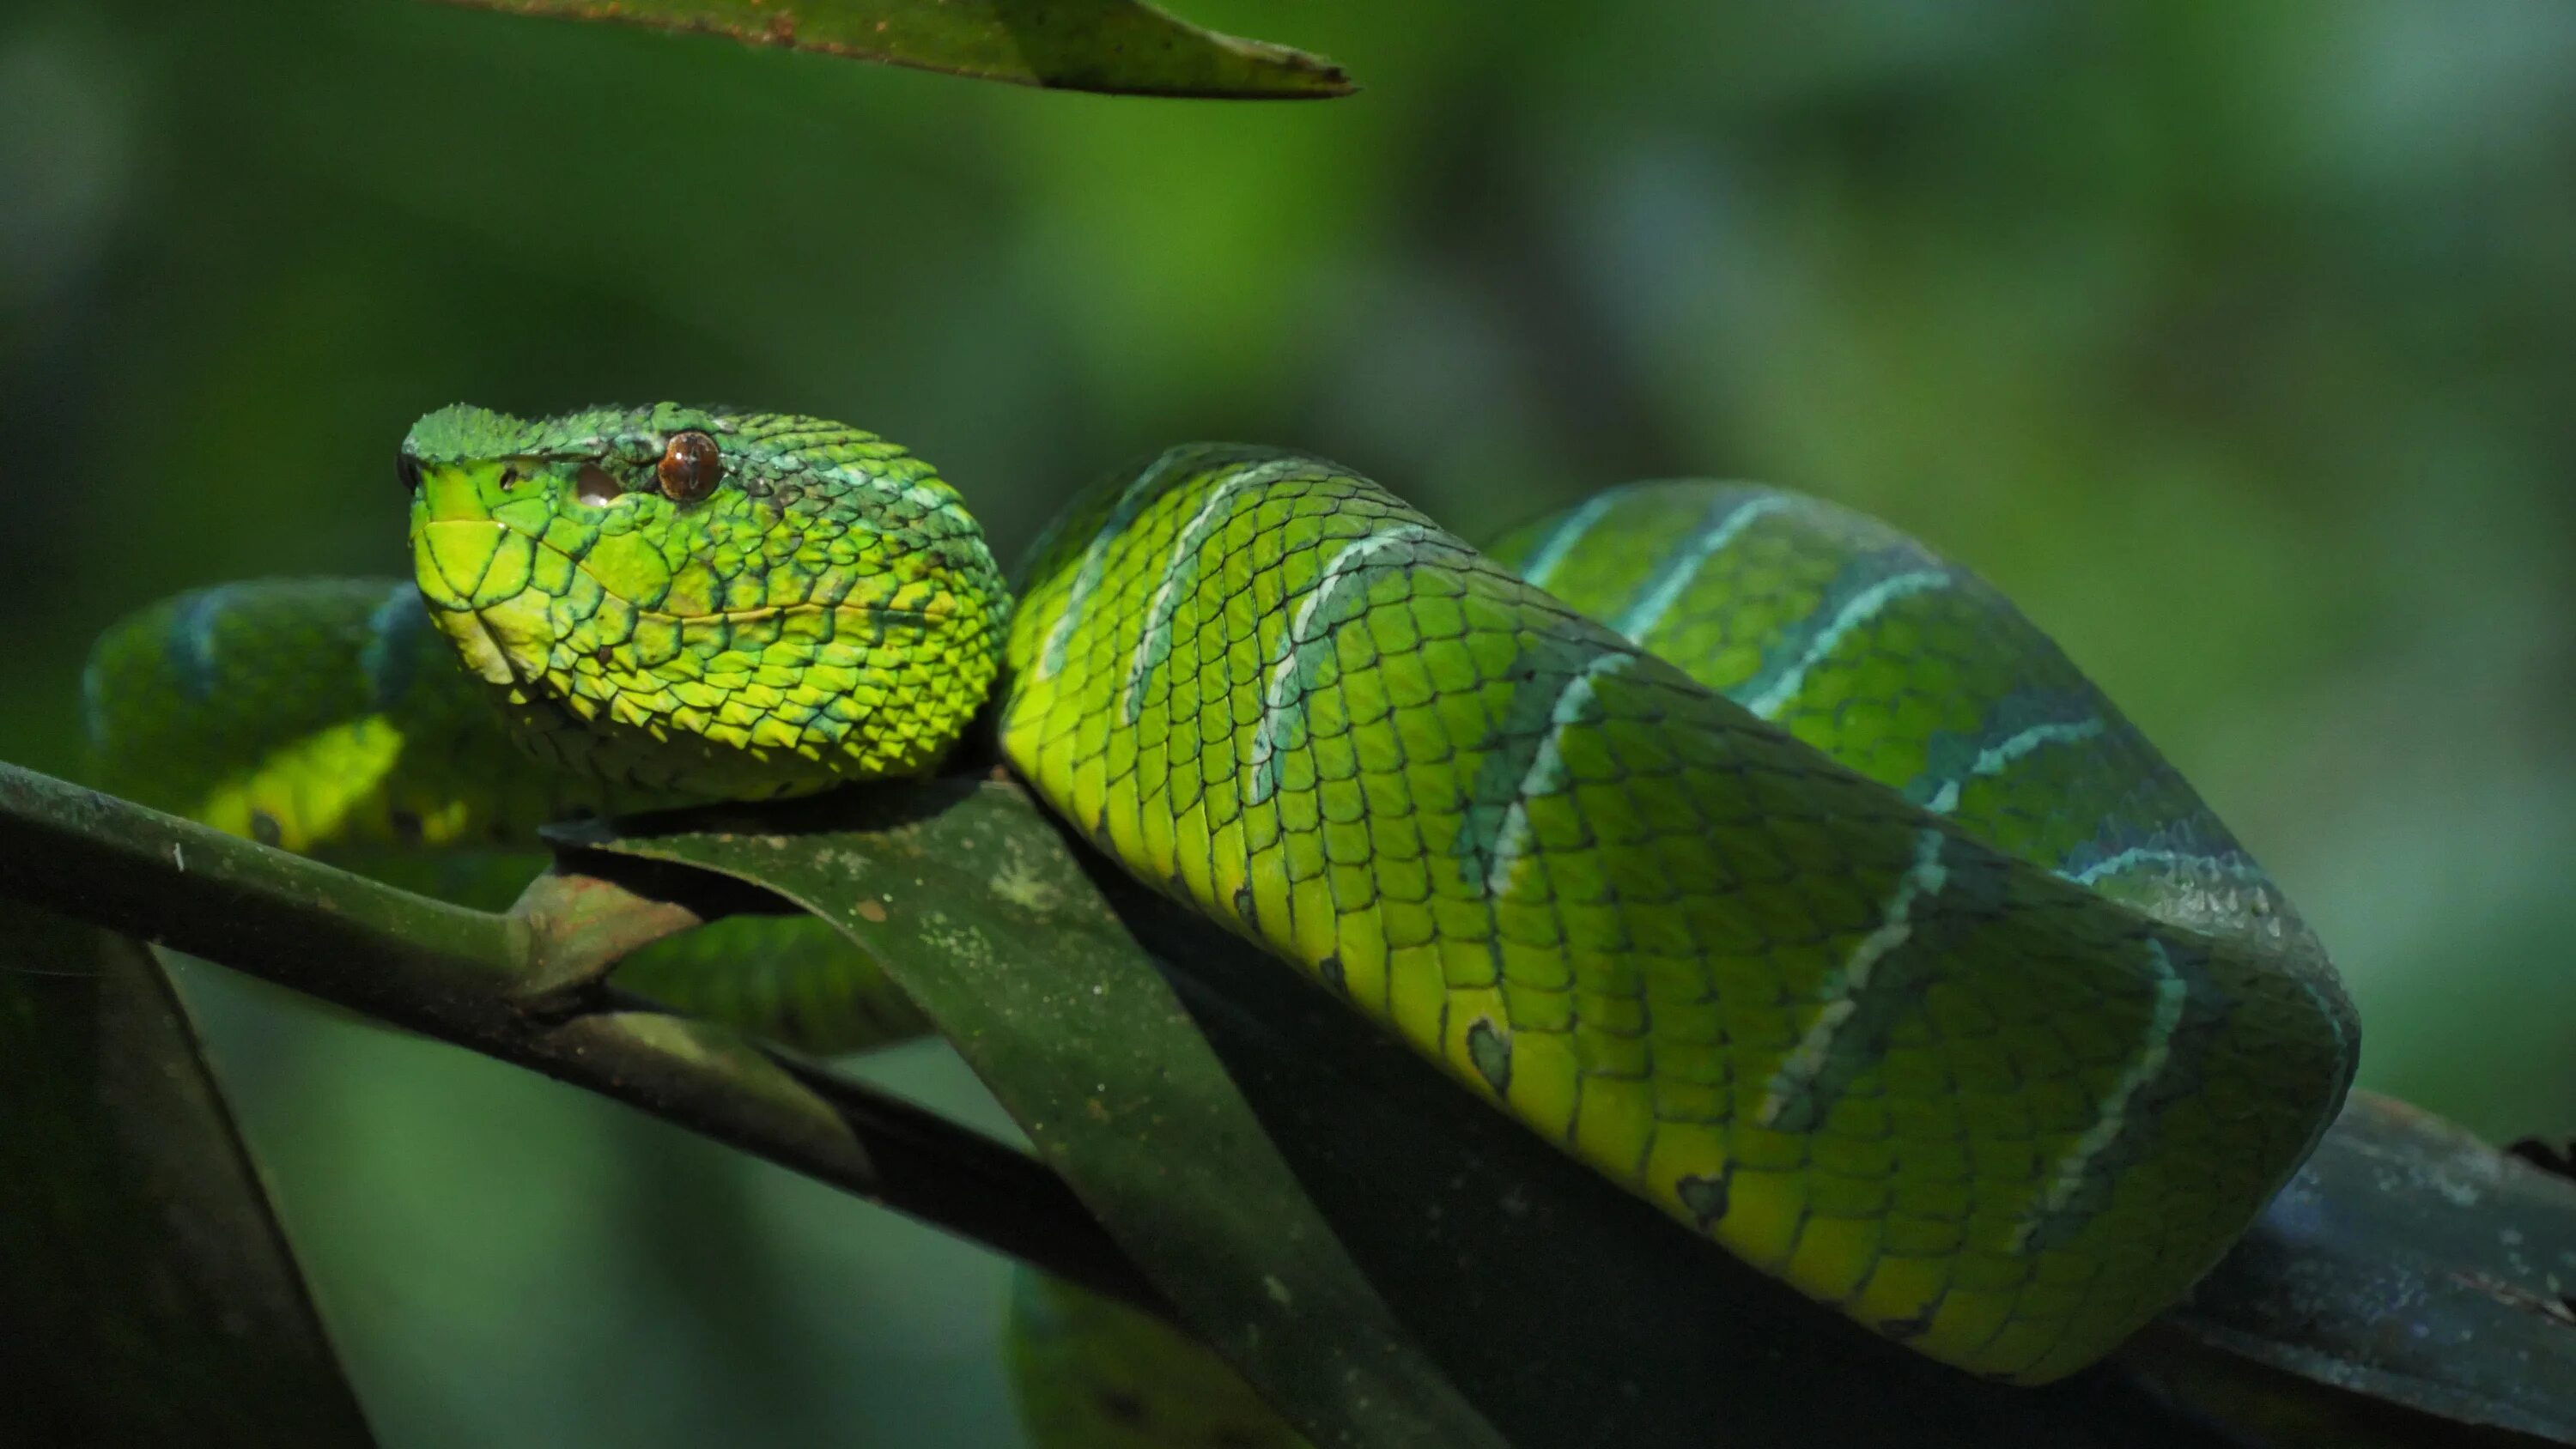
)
(725, 604)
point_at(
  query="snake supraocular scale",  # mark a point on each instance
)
(1763, 861)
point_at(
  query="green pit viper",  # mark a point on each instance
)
(1768, 864)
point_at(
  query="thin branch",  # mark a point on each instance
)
(521, 987)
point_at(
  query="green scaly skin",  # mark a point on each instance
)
(1850, 926)
(1909, 973)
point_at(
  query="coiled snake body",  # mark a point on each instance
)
(1768, 864)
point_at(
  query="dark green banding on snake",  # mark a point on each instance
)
(2020, 747)
(1140, 490)
(1880, 978)
(2084, 1166)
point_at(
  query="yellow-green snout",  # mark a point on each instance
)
(475, 570)
(724, 647)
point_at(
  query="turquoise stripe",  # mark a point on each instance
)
(1553, 693)
(1305, 644)
(1143, 489)
(1951, 888)
(192, 641)
(1864, 589)
(1673, 574)
(2231, 862)
(391, 656)
(2019, 725)
(1181, 574)
(1568, 532)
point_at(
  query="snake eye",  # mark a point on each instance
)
(689, 468)
(407, 468)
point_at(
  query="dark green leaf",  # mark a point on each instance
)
(1083, 45)
(980, 912)
(148, 1297)
(2407, 1263)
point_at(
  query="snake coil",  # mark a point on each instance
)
(1763, 861)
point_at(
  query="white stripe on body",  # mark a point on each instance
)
(2155, 1049)
(1568, 532)
(1193, 536)
(2148, 855)
(1095, 560)
(1645, 612)
(1546, 773)
(2000, 758)
(1806, 1061)
(1261, 775)
(1863, 607)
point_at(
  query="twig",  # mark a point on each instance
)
(517, 987)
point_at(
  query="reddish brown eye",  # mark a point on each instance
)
(689, 468)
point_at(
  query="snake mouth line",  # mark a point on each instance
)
(774, 611)
(738, 616)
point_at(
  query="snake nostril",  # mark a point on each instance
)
(407, 468)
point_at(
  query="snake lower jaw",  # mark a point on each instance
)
(482, 653)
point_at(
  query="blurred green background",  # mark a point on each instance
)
(2237, 342)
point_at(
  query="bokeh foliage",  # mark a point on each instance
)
(2237, 343)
